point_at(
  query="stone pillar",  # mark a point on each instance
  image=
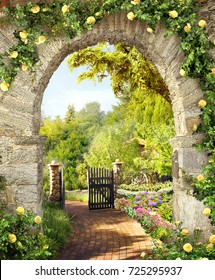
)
(117, 173)
(55, 185)
(21, 172)
(187, 164)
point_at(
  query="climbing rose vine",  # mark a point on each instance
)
(37, 24)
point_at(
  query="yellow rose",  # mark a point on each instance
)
(23, 34)
(202, 103)
(213, 71)
(41, 40)
(200, 178)
(4, 86)
(12, 238)
(150, 30)
(97, 14)
(14, 54)
(35, 9)
(212, 239)
(135, 2)
(45, 247)
(209, 246)
(38, 220)
(91, 20)
(202, 23)
(130, 16)
(206, 211)
(187, 247)
(185, 231)
(20, 210)
(24, 67)
(177, 223)
(65, 9)
(182, 73)
(187, 28)
(173, 14)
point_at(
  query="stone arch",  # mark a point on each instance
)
(20, 112)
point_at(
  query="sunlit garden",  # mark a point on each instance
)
(170, 240)
(137, 130)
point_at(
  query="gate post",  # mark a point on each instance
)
(117, 175)
(55, 182)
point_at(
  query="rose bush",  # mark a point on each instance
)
(21, 236)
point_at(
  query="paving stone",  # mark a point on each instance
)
(103, 235)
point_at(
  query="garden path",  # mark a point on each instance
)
(103, 235)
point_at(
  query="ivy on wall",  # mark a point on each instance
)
(38, 23)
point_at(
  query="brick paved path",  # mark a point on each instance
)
(103, 235)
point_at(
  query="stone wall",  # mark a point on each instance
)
(20, 110)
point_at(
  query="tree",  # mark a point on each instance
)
(128, 69)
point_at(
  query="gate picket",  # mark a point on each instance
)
(100, 188)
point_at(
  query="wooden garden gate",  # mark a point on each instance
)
(100, 188)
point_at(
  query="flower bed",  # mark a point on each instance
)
(170, 240)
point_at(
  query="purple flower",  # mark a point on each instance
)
(144, 193)
(151, 197)
(137, 197)
(152, 203)
(160, 201)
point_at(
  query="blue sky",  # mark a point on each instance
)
(63, 90)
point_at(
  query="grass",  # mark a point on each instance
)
(77, 195)
(57, 226)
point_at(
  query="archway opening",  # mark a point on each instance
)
(137, 131)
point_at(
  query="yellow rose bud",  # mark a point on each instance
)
(12, 238)
(20, 210)
(135, 2)
(182, 73)
(24, 67)
(200, 178)
(187, 28)
(173, 14)
(97, 14)
(150, 30)
(65, 9)
(23, 34)
(209, 246)
(4, 86)
(91, 20)
(177, 223)
(213, 71)
(45, 247)
(202, 23)
(202, 103)
(130, 16)
(206, 211)
(19, 244)
(24, 40)
(35, 9)
(185, 231)
(195, 127)
(41, 40)
(187, 247)
(38, 220)
(14, 54)
(212, 239)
